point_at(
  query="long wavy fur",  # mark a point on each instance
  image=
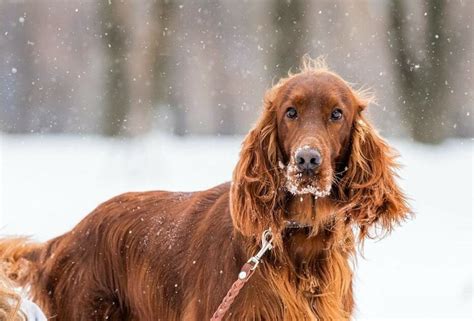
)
(368, 191)
(256, 195)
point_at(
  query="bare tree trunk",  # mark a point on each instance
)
(421, 71)
(155, 61)
(169, 83)
(290, 33)
(168, 87)
(116, 41)
(224, 105)
(18, 113)
(144, 51)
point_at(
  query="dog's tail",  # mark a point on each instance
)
(20, 259)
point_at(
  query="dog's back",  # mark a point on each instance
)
(121, 260)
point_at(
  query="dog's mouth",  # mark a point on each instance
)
(299, 182)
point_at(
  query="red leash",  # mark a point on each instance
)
(246, 272)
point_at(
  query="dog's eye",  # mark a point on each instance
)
(336, 114)
(291, 113)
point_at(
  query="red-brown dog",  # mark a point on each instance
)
(312, 170)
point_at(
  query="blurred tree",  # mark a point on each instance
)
(162, 14)
(168, 86)
(218, 22)
(290, 34)
(145, 28)
(152, 77)
(113, 15)
(17, 111)
(421, 68)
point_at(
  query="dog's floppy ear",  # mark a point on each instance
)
(369, 190)
(256, 178)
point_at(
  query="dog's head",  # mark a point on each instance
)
(312, 139)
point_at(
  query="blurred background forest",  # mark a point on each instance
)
(125, 68)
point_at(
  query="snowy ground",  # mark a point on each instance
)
(422, 271)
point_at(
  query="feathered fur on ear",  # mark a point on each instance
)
(368, 190)
(255, 204)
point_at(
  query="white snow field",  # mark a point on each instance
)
(423, 271)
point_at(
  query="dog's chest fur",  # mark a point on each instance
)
(312, 278)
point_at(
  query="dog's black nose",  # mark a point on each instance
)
(308, 159)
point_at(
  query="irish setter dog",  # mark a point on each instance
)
(313, 169)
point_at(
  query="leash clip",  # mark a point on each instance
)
(245, 273)
(267, 238)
